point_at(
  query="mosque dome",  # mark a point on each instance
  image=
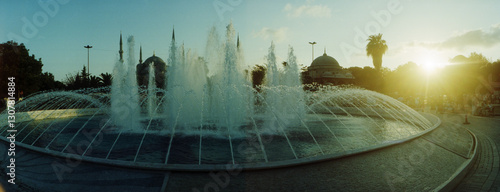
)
(157, 60)
(325, 61)
(327, 70)
(160, 68)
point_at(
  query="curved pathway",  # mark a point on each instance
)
(484, 175)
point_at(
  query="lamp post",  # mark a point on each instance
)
(88, 57)
(312, 44)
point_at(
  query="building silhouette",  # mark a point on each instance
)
(327, 70)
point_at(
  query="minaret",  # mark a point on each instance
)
(140, 55)
(121, 47)
(182, 53)
(238, 41)
(173, 34)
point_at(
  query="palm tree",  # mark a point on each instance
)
(106, 79)
(375, 48)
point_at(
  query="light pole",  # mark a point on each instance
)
(312, 44)
(88, 57)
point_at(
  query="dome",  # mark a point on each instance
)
(142, 71)
(324, 61)
(155, 59)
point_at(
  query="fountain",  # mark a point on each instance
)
(124, 91)
(151, 94)
(207, 116)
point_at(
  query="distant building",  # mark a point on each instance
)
(142, 71)
(326, 70)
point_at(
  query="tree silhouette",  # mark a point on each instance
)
(47, 82)
(94, 81)
(304, 76)
(16, 61)
(82, 80)
(368, 78)
(375, 48)
(258, 74)
(478, 58)
(106, 79)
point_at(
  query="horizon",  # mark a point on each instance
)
(57, 31)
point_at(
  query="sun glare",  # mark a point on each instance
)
(429, 67)
(431, 63)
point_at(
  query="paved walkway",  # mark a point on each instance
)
(484, 175)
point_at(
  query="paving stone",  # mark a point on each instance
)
(484, 172)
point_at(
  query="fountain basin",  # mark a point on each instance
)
(88, 135)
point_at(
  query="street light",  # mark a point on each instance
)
(312, 43)
(88, 62)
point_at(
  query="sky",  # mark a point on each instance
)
(426, 32)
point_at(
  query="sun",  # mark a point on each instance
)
(430, 61)
(430, 64)
(429, 67)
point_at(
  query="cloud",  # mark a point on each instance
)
(276, 35)
(476, 38)
(317, 11)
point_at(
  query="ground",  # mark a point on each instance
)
(484, 174)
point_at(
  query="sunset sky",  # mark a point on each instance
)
(425, 32)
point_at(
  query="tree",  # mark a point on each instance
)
(258, 74)
(474, 58)
(106, 79)
(472, 72)
(48, 82)
(304, 76)
(495, 71)
(478, 58)
(15, 61)
(375, 48)
(94, 81)
(73, 81)
(368, 78)
(407, 80)
(82, 80)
